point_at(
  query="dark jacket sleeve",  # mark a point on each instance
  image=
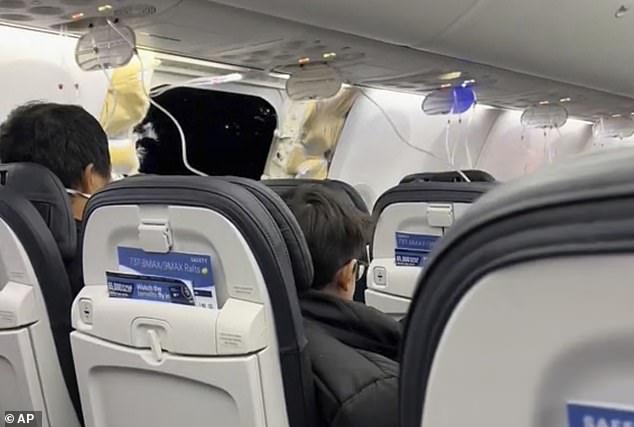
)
(354, 388)
(376, 404)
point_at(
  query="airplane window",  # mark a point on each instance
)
(226, 133)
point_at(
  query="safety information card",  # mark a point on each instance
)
(176, 278)
(599, 415)
(412, 250)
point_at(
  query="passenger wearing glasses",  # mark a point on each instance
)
(353, 348)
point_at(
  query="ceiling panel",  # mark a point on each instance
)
(207, 30)
(576, 41)
(579, 41)
(273, 44)
(77, 13)
(395, 21)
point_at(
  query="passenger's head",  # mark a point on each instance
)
(336, 234)
(66, 139)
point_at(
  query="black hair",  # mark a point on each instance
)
(336, 231)
(63, 138)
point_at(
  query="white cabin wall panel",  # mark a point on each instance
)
(41, 66)
(574, 138)
(512, 151)
(596, 143)
(370, 155)
(372, 158)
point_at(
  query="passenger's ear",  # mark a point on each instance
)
(91, 180)
(87, 179)
(345, 280)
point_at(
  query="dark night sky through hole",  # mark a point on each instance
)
(226, 133)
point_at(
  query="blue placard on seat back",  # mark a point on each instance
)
(603, 415)
(412, 249)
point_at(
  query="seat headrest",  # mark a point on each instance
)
(45, 191)
(281, 186)
(425, 191)
(297, 247)
(451, 176)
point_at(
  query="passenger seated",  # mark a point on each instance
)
(353, 348)
(68, 141)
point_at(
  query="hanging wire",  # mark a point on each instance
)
(115, 99)
(548, 154)
(450, 157)
(466, 139)
(405, 141)
(454, 148)
(156, 105)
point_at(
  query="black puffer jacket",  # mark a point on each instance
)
(73, 265)
(354, 354)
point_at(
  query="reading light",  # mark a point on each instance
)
(544, 102)
(329, 55)
(450, 76)
(104, 8)
(565, 100)
(77, 16)
(468, 82)
(304, 60)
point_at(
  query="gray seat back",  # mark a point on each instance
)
(450, 176)
(189, 293)
(37, 232)
(409, 220)
(281, 186)
(524, 311)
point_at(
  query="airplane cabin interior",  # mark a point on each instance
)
(474, 156)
